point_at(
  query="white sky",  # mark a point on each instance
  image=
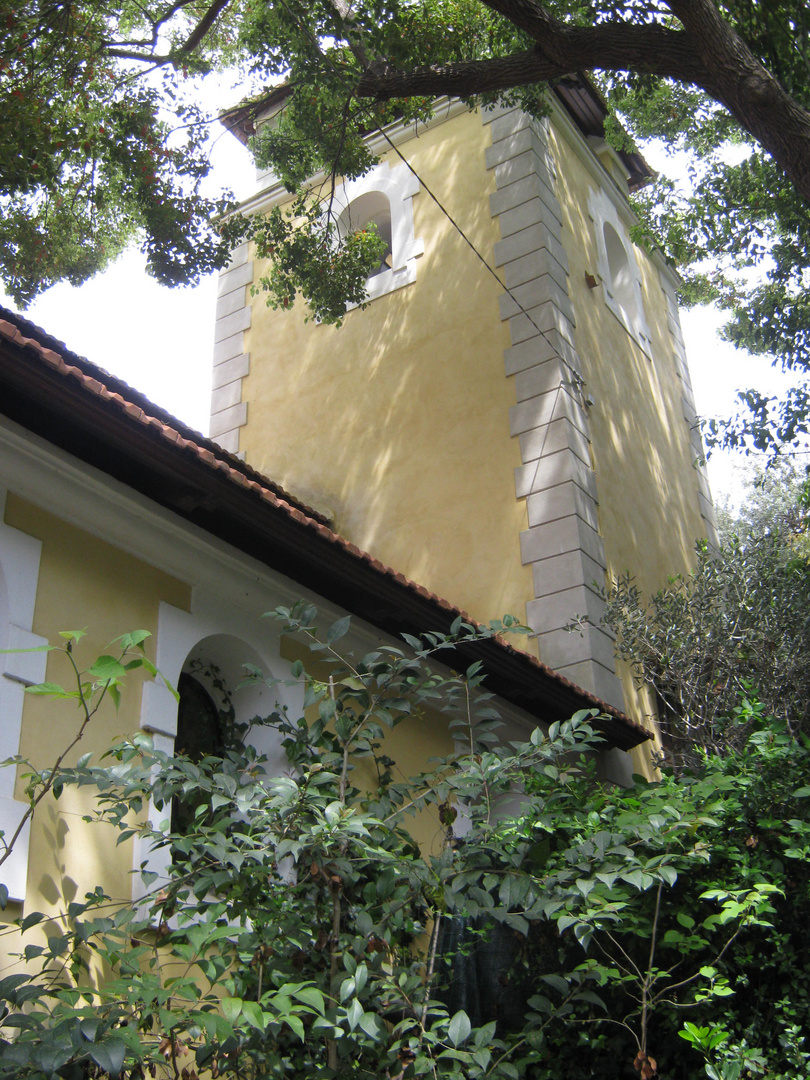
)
(161, 340)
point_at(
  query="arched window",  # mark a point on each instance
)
(621, 276)
(384, 197)
(618, 269)
(203, 654)
(202, 731)
(373, 208)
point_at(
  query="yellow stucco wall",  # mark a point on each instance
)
(397, 424)
(83, 582)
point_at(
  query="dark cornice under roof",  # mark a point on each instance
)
(98, 419)
(589, 110)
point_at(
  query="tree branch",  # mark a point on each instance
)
(203, 26)
(156, 59)
(144, 52)
(735, 78)
(706, 52)
(651, 49)
(344, 12)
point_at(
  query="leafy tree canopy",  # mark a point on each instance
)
(103, 138)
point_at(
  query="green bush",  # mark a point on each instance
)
(302, 933)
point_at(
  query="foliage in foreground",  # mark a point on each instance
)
(301, 932)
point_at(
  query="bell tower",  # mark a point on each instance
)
(509, 420)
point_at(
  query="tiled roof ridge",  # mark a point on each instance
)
(31, 335)
(9, 329)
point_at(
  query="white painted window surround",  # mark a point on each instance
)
(223, 634)
(398, 186)
(19, 573)
(618, 269)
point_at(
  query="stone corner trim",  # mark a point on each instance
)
(562, 544)
(231, 362)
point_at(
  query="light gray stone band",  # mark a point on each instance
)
(231, 362)
(562, 543)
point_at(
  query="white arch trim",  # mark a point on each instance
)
(218, 630)
(398, 185)
(624, 298)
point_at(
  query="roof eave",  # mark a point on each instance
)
(121, 439)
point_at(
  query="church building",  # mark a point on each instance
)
(507, 423)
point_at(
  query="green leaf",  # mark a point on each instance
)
(33, 649)
(51, 689)
(693, 1034)
(297, 1025)
(338, 629)
(310, 995)
(557, 981)
(33, 919)
(482, 1058)
(231, 1008)
(134, 639)
(637, 878)
(252, 1012)
(107, 667)
(89, 1027)
(459, 1029)
(10, 984)
(484, 1035)
(591, 998)
(372, 1025)
(669, 874)
(354, 1014)
(109, 1055)
(326, 709)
